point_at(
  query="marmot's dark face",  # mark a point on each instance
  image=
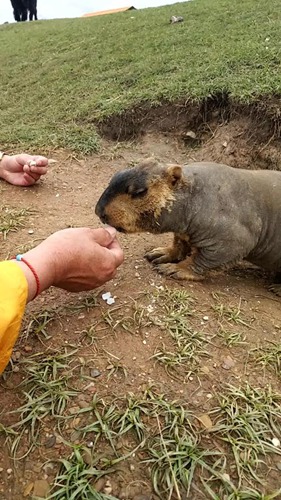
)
(135, 198)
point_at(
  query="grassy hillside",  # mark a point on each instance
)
(59, 77)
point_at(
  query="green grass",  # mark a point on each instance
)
(66, 75)
(12, 219)
(268, 356)
(75, 477)
(249, 419)
(46, 391)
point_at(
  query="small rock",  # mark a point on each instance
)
(99, 484)
(108, 488)
(228, 363)
(205, 420)
(50, 441)
(75, 422)
(16, 355)
(191, 134)
(41, 488)
(9, 471)
(224, 144)
(90, 444)
(132, 467)
(75, 436)
(176, 19)
(275, 442)
(16, 369)
(205, 318)
(95, 373)
(81, 316)
(74, 410)
(30, 231)
(83, 404)
(87, 457)
(27, 348)
(225, 476)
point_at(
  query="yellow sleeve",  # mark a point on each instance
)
(13, 297)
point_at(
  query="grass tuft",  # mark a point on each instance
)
(12, 220)
(85, 77)
(249, 419)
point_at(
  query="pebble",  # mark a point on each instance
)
(74, 410)
(50, 441)
(228, 363)
(9, 471)
(41, 488)
(275, 442)
(206, 318)
(95, 373)
(108, 487)
(27, 348)
(30, 231)
(83, 404)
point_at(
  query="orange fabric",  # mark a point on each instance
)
(13, 297)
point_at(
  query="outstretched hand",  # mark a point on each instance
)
(23, 169)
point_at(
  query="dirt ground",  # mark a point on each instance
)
(118, 351)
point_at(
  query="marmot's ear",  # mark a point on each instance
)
(174, 174)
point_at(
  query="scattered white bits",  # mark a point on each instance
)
(108, 298)
(30, 231)
(32, 163)
(206, 318)
(110, 301)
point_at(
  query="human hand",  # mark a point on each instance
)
(17, 170)
(74, 259)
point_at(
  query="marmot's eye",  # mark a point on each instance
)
(139, 193)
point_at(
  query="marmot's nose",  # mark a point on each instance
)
(99, 211)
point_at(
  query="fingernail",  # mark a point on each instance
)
(111, 230)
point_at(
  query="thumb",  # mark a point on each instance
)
(104, 236)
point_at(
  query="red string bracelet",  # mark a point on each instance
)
(20, 258)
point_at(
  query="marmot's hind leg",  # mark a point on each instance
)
(175, 253)
(276, 285)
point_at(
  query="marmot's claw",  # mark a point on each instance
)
(157, 253)
(275, 288)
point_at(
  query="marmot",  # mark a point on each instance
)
(219, 215)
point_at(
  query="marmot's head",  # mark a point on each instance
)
(136, 198)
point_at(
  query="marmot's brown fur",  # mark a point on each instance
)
(218, 214)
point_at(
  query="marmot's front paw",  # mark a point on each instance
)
(160, 255)
(275, 288)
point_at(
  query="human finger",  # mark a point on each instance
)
(103, 237)
(41, 161)
(116, 251)
(35, 169)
